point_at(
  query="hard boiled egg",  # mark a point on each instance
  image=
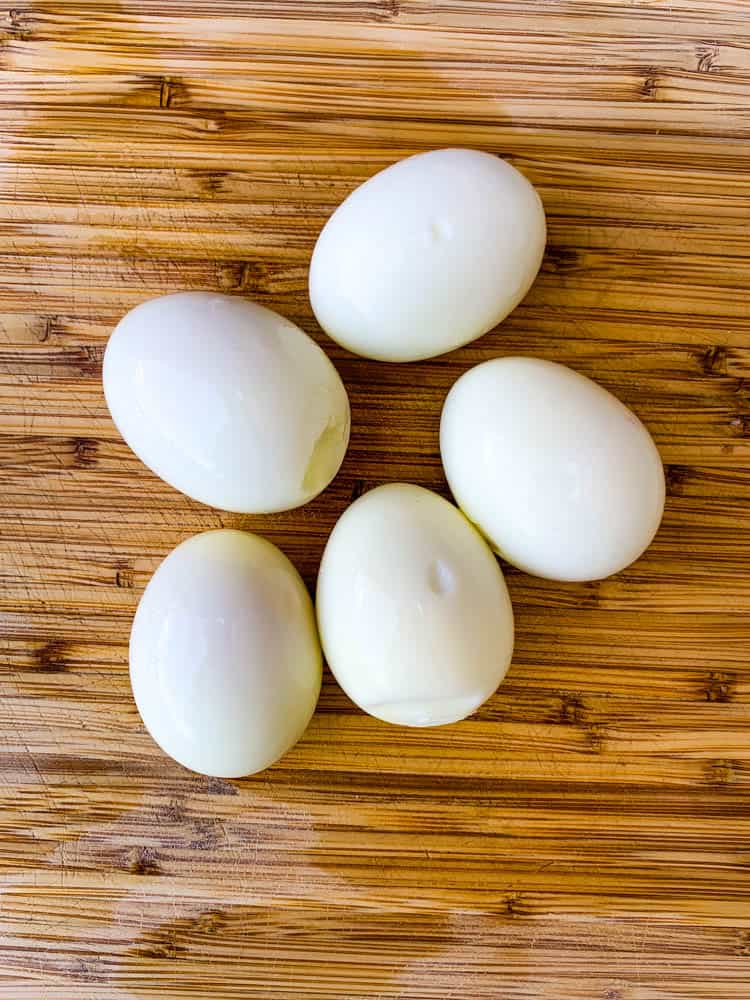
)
(413, 611)
(426, 255)
(225, 662)
(226, 401)
(560, 476)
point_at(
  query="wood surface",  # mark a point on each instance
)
(586, 835)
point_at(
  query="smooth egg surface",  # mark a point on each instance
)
(559, 475)
(413, 612)
(427, 255)
(227, 401)
(225, 662)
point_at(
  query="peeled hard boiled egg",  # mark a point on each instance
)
(426, 255)
(413, 611)
(557, 473)
(226, 401)
(225, 662)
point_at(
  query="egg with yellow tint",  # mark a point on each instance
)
(413, 612)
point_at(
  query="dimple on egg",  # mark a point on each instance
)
(426, 255)
(413, 612)
(225, 662)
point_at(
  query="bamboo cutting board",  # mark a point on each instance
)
(585, 836)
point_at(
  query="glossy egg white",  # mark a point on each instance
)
(560, 476)
(225, 662)
(227, 401)
(427, 255)
(413, 612)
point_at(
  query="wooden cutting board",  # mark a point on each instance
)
(585, 836)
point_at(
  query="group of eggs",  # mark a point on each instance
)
(238, 408)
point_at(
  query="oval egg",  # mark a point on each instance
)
(562, 478)
(225, 662)
(227, 401)
(427, 255)
(413, 612)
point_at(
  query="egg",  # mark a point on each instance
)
(413, 612)
(227, 401)
(427, 255)
(225, 662)
(560, 476)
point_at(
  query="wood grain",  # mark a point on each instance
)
(585, 836)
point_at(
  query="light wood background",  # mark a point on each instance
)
(586, 836)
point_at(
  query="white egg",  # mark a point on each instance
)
(225, 662)
(427, 255)
(226, 401)
(413, 611)
(560, 476)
